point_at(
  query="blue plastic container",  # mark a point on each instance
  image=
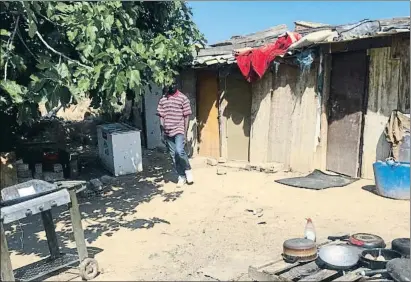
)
(392, 179)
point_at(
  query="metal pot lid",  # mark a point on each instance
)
(299, 244)
(339, 255)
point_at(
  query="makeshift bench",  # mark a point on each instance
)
(279, 270)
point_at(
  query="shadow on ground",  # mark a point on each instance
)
(371, 188)
(104, 214)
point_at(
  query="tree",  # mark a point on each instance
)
(63, 51)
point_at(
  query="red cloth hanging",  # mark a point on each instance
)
(254, 63)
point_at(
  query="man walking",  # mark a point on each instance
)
(174, 111)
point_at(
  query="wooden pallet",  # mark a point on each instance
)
(279, 270)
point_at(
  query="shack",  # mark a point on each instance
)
(322, 104)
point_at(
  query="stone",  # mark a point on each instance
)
(221, 171)
(22, 167)
(38, 168)
(270, 170)
(222, 160)
(53, 176)
(57, 167)
(38, 175)
(96, 184)
(212, 162)
(24, 179)
(23, 173)
(106, 179)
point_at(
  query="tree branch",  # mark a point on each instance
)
(58, 53)
(25, 45)
(11, 38)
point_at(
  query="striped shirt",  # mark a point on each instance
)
(173, 109)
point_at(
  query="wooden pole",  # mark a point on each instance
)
(6, 268)
(77, 226)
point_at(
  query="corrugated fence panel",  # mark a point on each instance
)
(403, 48)
(188, 87)
(383, 90)
(304, 123)
(293, 118)
(260, 118)
(282, 106)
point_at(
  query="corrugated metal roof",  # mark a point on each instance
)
(310, 24)
(222, 52)
(386, 25)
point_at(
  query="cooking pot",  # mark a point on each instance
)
(375, 253)
(299, 249)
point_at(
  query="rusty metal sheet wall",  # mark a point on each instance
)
(345, 105)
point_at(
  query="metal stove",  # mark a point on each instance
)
(39, 197)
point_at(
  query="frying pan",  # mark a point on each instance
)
(398, 269)
(363, 240)
(339, 257)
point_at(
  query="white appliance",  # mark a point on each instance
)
(119, 147)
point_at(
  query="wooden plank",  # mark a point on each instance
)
(6, 268)
(281, 267)
(222, 104)
(77, 226)
(277, 270)
(351, 276)
(261, 35)
(300, 271)
(8, 172)
(360, 44)
(321, 275)
(255, 275)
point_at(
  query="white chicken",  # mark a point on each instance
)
(309, 232)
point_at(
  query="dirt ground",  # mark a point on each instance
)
(143, 228)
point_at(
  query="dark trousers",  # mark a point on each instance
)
(175, 145)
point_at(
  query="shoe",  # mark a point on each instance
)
(181, 181)
(189, 177)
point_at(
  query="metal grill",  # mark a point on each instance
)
(43, 267)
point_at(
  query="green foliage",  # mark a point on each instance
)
(63, 51)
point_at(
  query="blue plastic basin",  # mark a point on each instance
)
(392, 179)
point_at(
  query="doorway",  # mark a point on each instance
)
(207, 114)
(345, 119)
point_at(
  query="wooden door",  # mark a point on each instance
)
(207, 114)
(345, 107)
(237, 114)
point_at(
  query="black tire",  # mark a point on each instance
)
(88, 269)
(401, 245)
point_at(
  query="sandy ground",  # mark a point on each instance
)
(146, 229)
